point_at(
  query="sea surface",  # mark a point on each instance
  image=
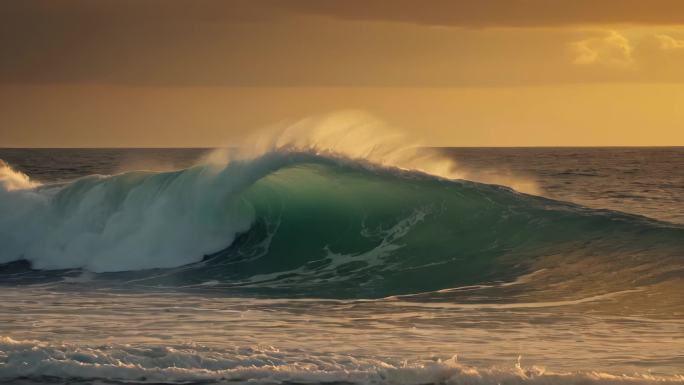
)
(541, 266)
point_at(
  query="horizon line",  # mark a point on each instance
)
(217, 147)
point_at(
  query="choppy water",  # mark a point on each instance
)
(300, 268)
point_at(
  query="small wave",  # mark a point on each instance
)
(269, 365)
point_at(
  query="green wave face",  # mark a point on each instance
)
(329, 230)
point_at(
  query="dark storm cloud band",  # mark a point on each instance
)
(311, 42)
(505, 13)
(511, 13)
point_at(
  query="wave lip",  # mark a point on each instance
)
(268, 365)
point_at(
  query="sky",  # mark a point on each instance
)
(205, 73)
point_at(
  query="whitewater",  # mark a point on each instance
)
(335, 256)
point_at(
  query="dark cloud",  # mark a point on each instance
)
(498, 13)
(115, 40)
(123, 11)
(306, 43)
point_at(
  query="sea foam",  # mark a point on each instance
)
(129, 221)
(269, 365)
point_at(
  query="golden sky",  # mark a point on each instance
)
(461, 73)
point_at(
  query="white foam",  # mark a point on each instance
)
(129, 221)
(267, 364)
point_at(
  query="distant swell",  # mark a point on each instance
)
(292, 222)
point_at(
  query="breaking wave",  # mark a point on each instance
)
(302, 223)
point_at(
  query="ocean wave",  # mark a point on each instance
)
(301, 223)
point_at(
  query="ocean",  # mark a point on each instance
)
(162, 266)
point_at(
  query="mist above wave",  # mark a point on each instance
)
(11, 179)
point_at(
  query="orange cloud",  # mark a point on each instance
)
(611, 49)
(669, 43)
